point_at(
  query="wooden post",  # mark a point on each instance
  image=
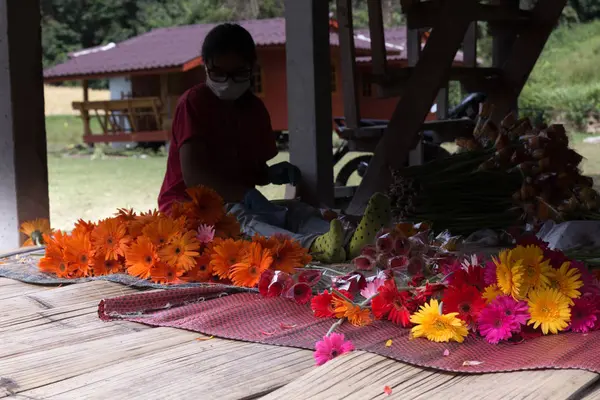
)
(431, 71)
(165, 114)
(85, 115)
(416, 155)
(502, 42)
(348, 61)
(23, 162)
(309, 98)
(526, 50)
(377, 35)
(469, 51)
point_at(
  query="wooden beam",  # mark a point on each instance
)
(425, 14)
(524, 54)
(377, 35)
(348, 61)
(416, 154)
(23, 159)
(433, 66)
(394, 84)
(85, 115)
(470, 47)
(309, 96)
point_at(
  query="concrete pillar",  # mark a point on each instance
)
(23, 162)
(309, 98)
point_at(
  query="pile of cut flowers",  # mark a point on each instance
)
(196, 242)
(519, 294)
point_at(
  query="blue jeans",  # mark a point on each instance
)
(257, 215)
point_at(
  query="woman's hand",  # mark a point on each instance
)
(284, 173)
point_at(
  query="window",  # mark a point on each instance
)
(333, 79)
(367, 90)
(257, 81)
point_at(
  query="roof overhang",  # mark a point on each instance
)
(193, 63)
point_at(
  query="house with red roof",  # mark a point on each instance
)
(149, 72)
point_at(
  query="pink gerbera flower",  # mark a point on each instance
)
(518, 311)
(584, 314)
(330, 347)
(371, 289)
(495, 325)
(206, 233)
(489, 273)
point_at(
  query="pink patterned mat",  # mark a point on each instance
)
(276, 321)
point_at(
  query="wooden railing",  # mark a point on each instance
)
(126, 120)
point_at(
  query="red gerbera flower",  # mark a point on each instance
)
(392, 304)
(472, 276)
(322, 304)
(466, 301)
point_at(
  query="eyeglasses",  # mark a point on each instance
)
(218, 75)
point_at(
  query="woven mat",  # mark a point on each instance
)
(25, 269)
(277, 321)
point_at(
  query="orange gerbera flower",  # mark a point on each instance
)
(104, 266)
(202, 271)
(163, 230)
(208, 205)
(79, 254)
(289, 255)
(181, 251)
(340, 305)
(57, 239)
(177, 210)
(164, 273)
(223, 255)
(141, 257)
(82, 227)
(138, 223)
(228, 227)
(358, 316)
(53, 261)
(110, 237)
(266, 242)
(125, 215)
(255, 262)
(35, 231)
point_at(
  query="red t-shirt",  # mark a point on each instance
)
(237, 134)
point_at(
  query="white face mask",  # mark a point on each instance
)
(228, 90)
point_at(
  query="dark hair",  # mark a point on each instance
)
(229, 38)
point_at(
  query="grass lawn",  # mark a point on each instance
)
(93, 188)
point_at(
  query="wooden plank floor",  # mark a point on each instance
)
(53, 346)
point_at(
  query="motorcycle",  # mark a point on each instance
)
(468, 108)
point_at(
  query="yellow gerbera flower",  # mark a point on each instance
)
(490, 293)
(550, 309)
(535, 268)
(437, 327)
(509, 274)
(566, 280)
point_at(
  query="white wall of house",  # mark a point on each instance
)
(120, 87)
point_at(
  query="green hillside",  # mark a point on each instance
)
(566, 80)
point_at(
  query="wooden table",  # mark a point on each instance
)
(54, 346)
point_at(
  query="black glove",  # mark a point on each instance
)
(284, 173)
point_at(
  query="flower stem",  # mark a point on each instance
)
(340, 321)
(335, 326)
